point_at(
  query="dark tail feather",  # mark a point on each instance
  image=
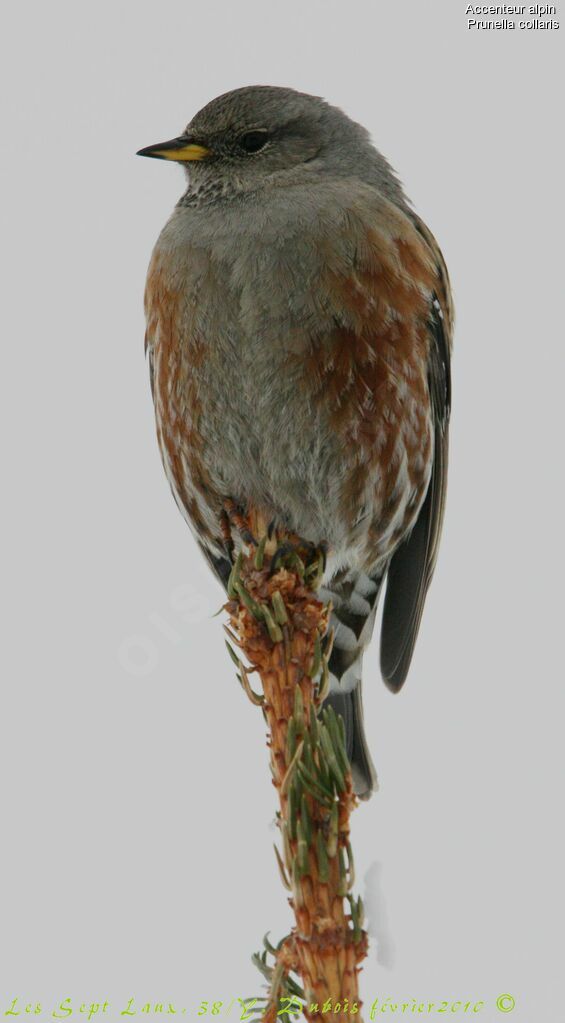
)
(350, 706)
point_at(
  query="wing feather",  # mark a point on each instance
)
(412, 565)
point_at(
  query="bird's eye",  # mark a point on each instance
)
(253, 141)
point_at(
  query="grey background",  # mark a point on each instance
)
(136, 804)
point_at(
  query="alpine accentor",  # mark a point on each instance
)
(299, 324)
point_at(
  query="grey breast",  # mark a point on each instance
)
(254, 272)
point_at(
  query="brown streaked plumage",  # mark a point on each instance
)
(299, 323)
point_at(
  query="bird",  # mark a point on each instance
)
(299, 323)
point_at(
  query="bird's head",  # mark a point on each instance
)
(260, 133)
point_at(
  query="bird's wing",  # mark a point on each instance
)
(149, 355)
(412, 565)
(221, 566)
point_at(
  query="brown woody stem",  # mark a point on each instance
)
(281, 627)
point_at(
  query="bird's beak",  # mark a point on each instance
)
(181, 150)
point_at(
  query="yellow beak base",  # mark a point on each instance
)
(190, 152)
